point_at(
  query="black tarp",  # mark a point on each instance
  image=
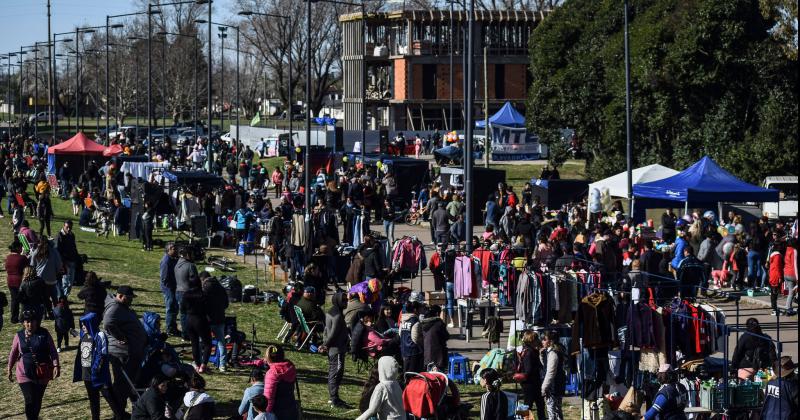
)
(484, 183)
(189, 178)
(556, 192)
(410, 173)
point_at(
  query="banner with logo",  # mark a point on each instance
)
(512, 143)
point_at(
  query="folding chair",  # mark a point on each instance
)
(307, 330)
(284, 332)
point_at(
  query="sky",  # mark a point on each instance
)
(23, 22)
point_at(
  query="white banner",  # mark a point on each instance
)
(512, 143)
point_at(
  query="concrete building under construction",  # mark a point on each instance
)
(408, 66)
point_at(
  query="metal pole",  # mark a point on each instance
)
(77, 81)
(8, 94)
(452, 78)
(138, 92)
(363, 81)
(629, 146)
(108, 69)
(238, 102)
(149, 79)
(50, 67)
(163, 88)
(209, 156)
(289, 88)
(486, 141)
(306, 167)
(21, 64)
(469, 127)
(196, 82)
(222, 36)
(35, 90)
(96, 95)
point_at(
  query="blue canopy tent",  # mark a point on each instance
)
(507, 116)
(704, 184)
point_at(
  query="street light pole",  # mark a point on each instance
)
(469, 126)
(149, 80)
(629, 145)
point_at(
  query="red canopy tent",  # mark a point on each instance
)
(74, 151)
(79, 144)
(112, 150)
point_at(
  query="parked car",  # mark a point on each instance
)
(187, 135)
(159, 133)
(43, 117)
(227, 137)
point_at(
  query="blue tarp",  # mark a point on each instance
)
(702, 183)
(506, 116)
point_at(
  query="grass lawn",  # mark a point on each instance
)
(123, 262)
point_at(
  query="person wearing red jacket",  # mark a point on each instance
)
(790, 272)
(775, 275)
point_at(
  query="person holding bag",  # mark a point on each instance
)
(529, 372)
(34, 361)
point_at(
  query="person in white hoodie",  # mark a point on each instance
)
(197, 405)
(386, 402)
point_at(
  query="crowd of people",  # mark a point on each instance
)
(389, 329)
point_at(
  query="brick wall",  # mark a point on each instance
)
(416, 84)
(515, 81)
(400, 79)
(443, 81)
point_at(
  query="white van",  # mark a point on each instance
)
(787, 206)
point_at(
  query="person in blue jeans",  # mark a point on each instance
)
(389, 217)
(167, 270)
(755, 273)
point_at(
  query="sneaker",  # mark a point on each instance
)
(222, 368)
(451, 325)
(58, 349)
(340, 404)
(773, 313)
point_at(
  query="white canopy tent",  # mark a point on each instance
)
(617, 185)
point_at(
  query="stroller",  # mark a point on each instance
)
(426, 396)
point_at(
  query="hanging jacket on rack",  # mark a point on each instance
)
(298, 230)
(408, 255)
(594, 323)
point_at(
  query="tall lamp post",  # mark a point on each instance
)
(34, 50)
(109, 26)
(289, 86)
(150, 12)
(222, 35)
(470, 93)
(78, 32)
(21, 64)
(628, 144)
(55, 77)
(238, 97)
(8, 89)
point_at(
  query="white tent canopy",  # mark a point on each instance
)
(617, 185)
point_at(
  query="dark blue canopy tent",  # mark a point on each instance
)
(507, 116)
(703, 184)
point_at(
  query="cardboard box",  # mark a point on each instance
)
(435, 298)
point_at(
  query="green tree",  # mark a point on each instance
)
(708, 77)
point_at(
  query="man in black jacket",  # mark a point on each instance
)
(216, 299)
(440, 222)
(691, 274)
(168, 284)
(65, 244)
(435, 338)
(373, 268)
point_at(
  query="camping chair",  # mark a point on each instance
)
(308, 328)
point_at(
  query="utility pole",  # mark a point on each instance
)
(468, 135)
(486, 141)
(629, 145)
(306, 167)
(50, 69)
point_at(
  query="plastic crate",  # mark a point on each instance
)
(713, 397)
(746, 395)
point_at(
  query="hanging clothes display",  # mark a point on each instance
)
(463, 278)
(485, 257)
(594, 323)
(408, 256)
(298, 236)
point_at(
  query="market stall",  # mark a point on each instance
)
(78, 151)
